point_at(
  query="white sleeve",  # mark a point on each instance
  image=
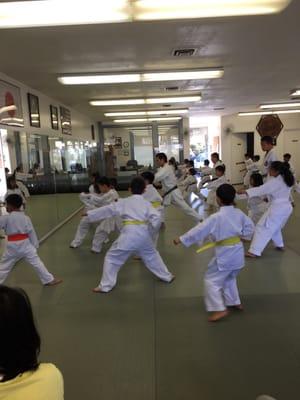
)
(32, 235)
(160, 175)
(213, 185)
(199, 233)
(102, 213)
(263, 190)
(248, 228)
(154, 217)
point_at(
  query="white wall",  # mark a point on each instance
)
(81, 124)
(287, 140)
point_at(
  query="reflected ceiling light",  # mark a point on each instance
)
(296, 93)
(159, 112)
(179, 9)
(129, 121)
(98, 79)
(19, 14)
(246, 114)
(279, 105)
(160, 100)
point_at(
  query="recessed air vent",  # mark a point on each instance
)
(166, 105)
(189, 52)
(171, 88)
(219, 108)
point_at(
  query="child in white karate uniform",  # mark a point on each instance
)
(224, 231)
(22, 242)
(172, 195)
(151, 194)
(256, 205)
(248, 162)
(13, 188)
(135, 238)
(277, 188)
(189, 184)
(213, 186)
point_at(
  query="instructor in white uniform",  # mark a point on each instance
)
(267, 145)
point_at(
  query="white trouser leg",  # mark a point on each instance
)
(178, 200)
(230, 292)
(82, 231)
(155, 264)
(278, 239)
(31, 256)
(115, 258)
(261, 238)
(7, 263)
(213, 287)
(162, 214)
(99, 238)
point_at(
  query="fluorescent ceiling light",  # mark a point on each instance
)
(246, 114)
(159, 112)
(279, 105)
(129, 121)
(296, 93)
(181, 9)
(160, 100)
(98, 79)
(19, 14)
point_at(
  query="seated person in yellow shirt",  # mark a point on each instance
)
(21, 375)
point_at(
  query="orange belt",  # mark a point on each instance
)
(17, 237)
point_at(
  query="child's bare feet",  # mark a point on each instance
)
(250, 255)
(217, 316)
(137, 258)
(97, 290)
(237, 307)
(56, 281)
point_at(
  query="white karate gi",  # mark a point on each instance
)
(248, 164)
(14, 223)
(274, 219)
(188, 185)
(256, 208)
(212, 187)
(217, 164)
(220, 278)
(166, 176)
(133, 239)
(152, 195)
(270, 156)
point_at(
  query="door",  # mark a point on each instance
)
(291, 144)
(238, 150)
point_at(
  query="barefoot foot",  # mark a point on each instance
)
(217, 316)
(55, 281)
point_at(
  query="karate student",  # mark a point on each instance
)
(107, 196)
(277, 188)
(189, 184)
(257, 205)
(214, 184)
(215, 159)
(13, 188)
(137, 215)
(267, 145)
(248, 168)
(151, 194)
(22, 242)
(172, 195)
(223, 231)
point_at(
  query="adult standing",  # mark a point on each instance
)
(267, 145)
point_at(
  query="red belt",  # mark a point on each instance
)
(17, 237)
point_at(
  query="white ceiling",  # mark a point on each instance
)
(259, 54)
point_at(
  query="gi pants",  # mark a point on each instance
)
(176, 198)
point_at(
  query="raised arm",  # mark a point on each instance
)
(102, 213)
(263, 190)
(199, 233)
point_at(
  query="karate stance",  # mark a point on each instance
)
(257, 205)
(224, 230)
(213, 186)
(135, 238)
(22, 242)
(172, 195)
(267, 145)
(277, 188)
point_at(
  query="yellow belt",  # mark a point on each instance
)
(134, 222)
(226, 242)
(156, 204)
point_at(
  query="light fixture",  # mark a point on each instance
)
(279, 105)
(160, 100)
(296, 93)
(16, 14)
(129, 121)
(247, 114)
(100, 79)
(155, 112)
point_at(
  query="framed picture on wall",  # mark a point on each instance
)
(65, 120)
(34, 110)
(11, 112)
(54, 117)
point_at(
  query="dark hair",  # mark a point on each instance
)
(173, 162)
(256, 157)
(247, 155)
(9, 181)
(162, 156)
(206, 162)
(267, 139)
(6, 169)
(192, 171)
(148, 176)
(113, 182)
(102, 180)
(19, 340)
(221, 168)
(216, 155)
(257, 179)
(186, 160)
(284, 170)
(287, 155)
(191, 163)
(95, 174)
(137, 185)
(226, 194)
(14, 200)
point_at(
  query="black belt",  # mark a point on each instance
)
(169, 191)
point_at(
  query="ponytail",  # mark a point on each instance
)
(283, 169)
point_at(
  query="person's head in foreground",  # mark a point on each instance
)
(14, 202)
(137, 185)
(161, 159)
(220, 170)
(225, 195)
(279, 168)
(214, 157)
(148, 176)
(256, 180)
(267, 143)
(103, 184)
